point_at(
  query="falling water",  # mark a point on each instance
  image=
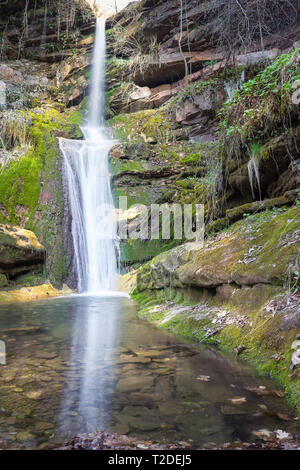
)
(94, 234)
(253, 173)
(86, 171)
(232, 86)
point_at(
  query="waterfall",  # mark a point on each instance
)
(253, 173)
(86, 173)
(232, 86)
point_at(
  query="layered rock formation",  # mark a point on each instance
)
(20, 252)
(180, 102)
(44, 71)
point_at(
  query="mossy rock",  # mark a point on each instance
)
(19, 250)
(31, 193)
(263, 250)
(3, 281)
(139, 251)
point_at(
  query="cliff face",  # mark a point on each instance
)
(44, 60)
(203, 99)
(205, 105)
(46, 31)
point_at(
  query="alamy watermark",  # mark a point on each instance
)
(2, 353)
(154, 222)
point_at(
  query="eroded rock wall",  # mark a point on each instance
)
(200, 120)
(205, 121)
(44, 71)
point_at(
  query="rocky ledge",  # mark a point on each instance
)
(20, 253)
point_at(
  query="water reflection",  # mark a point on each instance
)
(95, 334)
(80, 364)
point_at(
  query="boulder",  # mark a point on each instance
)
(240, 257)
(8, 74)
(140, 93)
(148, 98)
(205, 104)
(170, 66)
(20, 251)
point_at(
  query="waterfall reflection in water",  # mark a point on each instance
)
(130, 378)
(94, 337)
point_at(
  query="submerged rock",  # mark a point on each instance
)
(135, 383)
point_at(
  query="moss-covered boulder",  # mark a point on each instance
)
(31, 189)
(20, 251)
(261, 249)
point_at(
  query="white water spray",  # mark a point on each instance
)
(232, 86)
(86, 171)
(253, 173)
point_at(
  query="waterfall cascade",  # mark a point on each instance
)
(254, 178)
(86, 171)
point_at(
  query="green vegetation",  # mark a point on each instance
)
(262, 107)
(31, 187)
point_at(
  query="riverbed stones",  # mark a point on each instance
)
(126, 359)
(35, 394)
(43, 426)
(145, 424)
(121, 428)
(137, 411)
(24, 436)
(47, 354)
(169, 408)
(131, 384)
(147, 398)
(232, 410)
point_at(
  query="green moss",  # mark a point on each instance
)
(3, 281)
(143, 126)
(119, 166)
(267, 347)
(262, 107)
(20, 187)
(35, 278)
(137, 251)
(31, 189)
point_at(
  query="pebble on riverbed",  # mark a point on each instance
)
(106, 441)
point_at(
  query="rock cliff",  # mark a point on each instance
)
(204, 102)
(206, 111)
(44, 72)
(199, 118)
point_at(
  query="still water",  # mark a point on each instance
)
(81, 364)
